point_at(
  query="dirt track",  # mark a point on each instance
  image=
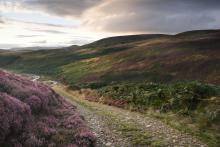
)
(121, 128)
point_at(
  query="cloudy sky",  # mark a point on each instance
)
(25, 23)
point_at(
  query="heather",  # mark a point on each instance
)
(32, 114)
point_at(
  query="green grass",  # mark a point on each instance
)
(186, 125)
(75, 71)
(136, 135)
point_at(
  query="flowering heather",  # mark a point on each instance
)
(32, 114)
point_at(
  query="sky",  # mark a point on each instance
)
(56, 23)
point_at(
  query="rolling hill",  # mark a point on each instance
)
(33, 48)
(177, 75)
(190, 55)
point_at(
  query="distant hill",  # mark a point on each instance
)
(192, 55)
(123, 40)
(34, 48)
(2, 50)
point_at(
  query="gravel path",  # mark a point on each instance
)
(104, 120)
(100, 127)
(171, 137)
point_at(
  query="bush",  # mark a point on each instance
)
(184, 98)
(196, 105)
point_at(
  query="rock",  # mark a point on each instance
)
(108, 144)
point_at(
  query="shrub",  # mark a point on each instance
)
(15, 120)
(183, 98)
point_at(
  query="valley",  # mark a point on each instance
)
(139, 90)
(159, 58)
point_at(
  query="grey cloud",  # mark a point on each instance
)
(44, 24)
(81, 40)
(63, 7)
(40, 24)
(77, 7)
(161, 16)
(160, 23)
(8, 45)
(27, 36)
(53, 31)
(1, 20)
(134, 16)
(48, 31)
(40, 42)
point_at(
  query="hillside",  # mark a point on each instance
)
(32, 114)
(190, 55)
(175, 76)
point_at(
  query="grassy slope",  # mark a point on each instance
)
(188, 56)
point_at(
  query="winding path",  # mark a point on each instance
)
(106, 121)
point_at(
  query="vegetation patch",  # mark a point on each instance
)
(188, 106)
(73, 72)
